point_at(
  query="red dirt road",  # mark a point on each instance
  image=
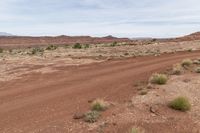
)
(45, 102)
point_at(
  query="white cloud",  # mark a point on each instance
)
(100, 17)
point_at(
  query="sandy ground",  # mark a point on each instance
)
(45, 102)
(19, 62)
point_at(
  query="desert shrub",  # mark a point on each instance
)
(180, 103)
(86, 46)
(177, 69)
(10, 50)
(143, 92)
(51, 47)
(136, 130)
(158, 79)
(186, 62)
(197, 62)
(77, 46)
(91, 116)
(190, 50)
(197, 70)
(1, 50)
(113, 44)
(99, 105)
(37, 50)
(126, 54)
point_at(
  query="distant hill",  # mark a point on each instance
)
(5, 34)
(8, 40)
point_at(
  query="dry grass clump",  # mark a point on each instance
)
(143, 92)
(36, 51)
(135, 130)
(91, 116)
(197, 70)
(177, 69)
(99, 105)
(186, 62)
(1, 50)
(51, 47)
(159, 79)
(197, 62)
(180, 103)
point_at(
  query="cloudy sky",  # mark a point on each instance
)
(122, 18)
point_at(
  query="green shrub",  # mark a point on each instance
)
(91, 116)
(1, 50)
(159, 79)
(77, 46)
(51, 47)
(99, 105)
(186, 62)
(180, 103)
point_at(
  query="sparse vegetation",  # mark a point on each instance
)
(180, 103)
(77, 46)
(51, 47)
(10, 50)
(177, 69)
(143, 92)
(134, 130)
(126, 54)
(197, 62)
(197, 70)
(158, 79)
(186, 62)
(99, 105)
(91, 116)
(37, 50)
(190, 50)
(86, 46)
(113, 44)
(1, 50)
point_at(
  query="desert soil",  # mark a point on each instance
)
(45, 99)
(18, 62)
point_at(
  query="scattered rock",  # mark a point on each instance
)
(154, 109)
(78, 115)
(91, 100)
(150, 86)
(114, 124)
(186, 80)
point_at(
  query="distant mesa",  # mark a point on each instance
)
(110, 37)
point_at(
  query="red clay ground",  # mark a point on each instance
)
(46, 102)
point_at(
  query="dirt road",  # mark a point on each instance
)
(46, 102)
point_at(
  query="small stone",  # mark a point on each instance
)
(154, 109)
(114, 124)
(78, 116)
(149, 86)
(91, 100)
